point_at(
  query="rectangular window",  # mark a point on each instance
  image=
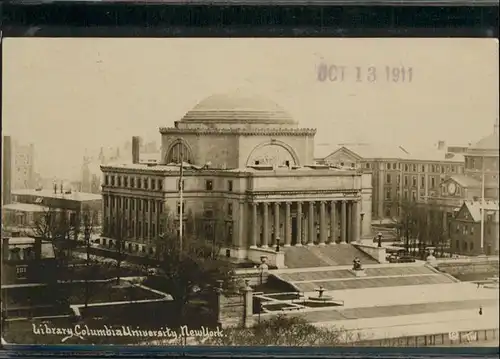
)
(139, 204)
(414, 168)
(414, 181)
(388, 194)
(230, 186)
(138, 183)
(160, 185)
(422, 181)
(146, 205)
(106, 180)
(388, 166)
(406, 181)
(405, 195)
(132, 204)
(145, 183)
(423, 168)
(125, 181)
(119, 180)
(367, 165)
(179, 208)
(230, 210)
(112, 180)
(153, 184)
(388, 178)
(394, 166)
(472, 230)
(413, 195)
(209, 185)
(399, 179)
(433, 168)
(406, 167)
(132, 182)
(433, 182)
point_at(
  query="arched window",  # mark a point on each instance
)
(177, 151)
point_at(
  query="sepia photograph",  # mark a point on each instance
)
(329, 192)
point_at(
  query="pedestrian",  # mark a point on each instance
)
(481, 310)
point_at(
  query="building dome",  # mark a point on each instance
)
(238, 108)
(487, 143)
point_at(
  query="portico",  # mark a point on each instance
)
(309, 222)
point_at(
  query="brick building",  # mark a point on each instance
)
(397, 174)
(247, 162)
(466, 229)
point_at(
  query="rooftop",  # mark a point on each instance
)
(190, 169)
(474, 208)
(385, 151)
(25, 207)
(45, 193)
(435, 155)
(489, 142)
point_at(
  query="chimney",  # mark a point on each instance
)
(61, 188)
(136, 143)
(55, 188)
(441, 145)
(7, 170)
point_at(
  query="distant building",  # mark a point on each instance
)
(397, 174)
(23, 174)
(482, 158)
(466, 229)
(91, 175)
(29, 207)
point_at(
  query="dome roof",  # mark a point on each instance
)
(238, 107)
(487, 143)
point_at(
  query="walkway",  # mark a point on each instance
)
(327, 255)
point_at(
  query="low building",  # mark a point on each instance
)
(30, 206)
(26, 260)
(466, 229)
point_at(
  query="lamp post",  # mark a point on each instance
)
(361, 215)
(379, 239)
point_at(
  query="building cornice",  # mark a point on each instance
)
(239, 131)
(345, 192)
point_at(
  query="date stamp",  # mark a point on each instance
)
(365, 74)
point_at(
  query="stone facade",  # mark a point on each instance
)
(247, 162)
(397, 175)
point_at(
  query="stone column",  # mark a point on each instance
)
(276, 222)
(350, 232)
(343, 222)
(356, 221)
(312, 232)
(299, 224)
(322, 223)
(265, 225)
(288, 225)
(333, 222)
(255, 226)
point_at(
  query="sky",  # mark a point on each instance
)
(66, 95)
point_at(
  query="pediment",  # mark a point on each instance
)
(342, 155)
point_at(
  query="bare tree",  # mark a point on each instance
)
(89, 221)
(186, 275)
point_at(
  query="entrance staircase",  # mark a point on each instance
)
(324, 256)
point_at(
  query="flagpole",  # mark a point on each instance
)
(482, 206)
(181, 199)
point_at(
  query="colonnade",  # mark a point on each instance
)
(304, 223)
